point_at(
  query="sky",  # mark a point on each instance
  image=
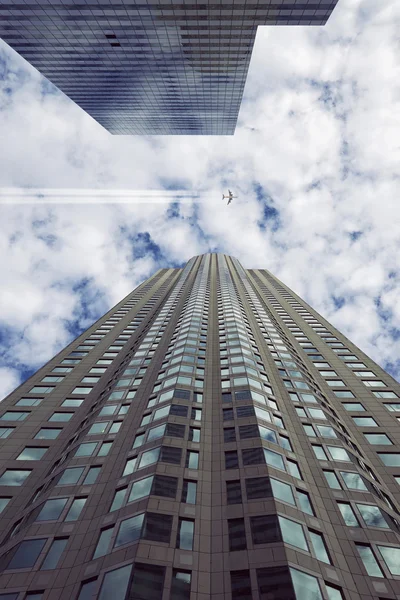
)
(86, 216)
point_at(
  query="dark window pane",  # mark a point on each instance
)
(175, 430)
(275, 584)
(265, 529)
(258, 487)
(229, 434)
(244, 411)
(180, 586)
(233, 492)
(172, 455)
(147, 583)
(27, 554)
(183, 394)
(227, 414)
(253, 456)
(248, 431)
(164, 486)
(243, 395)
(157, 527)
(54, 554)
(241, 585)
(87, 590)
(178, 410)
(231, 460)
(237, 534)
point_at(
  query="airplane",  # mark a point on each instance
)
(230, 196)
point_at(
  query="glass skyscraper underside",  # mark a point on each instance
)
(141, 68)
(211, 437)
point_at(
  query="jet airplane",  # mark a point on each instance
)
(230, 196)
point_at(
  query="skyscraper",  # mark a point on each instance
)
(141, 68)
(211, 436)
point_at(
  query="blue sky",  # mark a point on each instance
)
(314, 161)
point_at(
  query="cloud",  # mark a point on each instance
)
(314, 162)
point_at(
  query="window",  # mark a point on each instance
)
(103, 542)
(305, 586)
(353, 481)
(29, 402)
(61, 416)
(353, 406)
(26, 554)
(265, 529)
(231, 460)
(390, 459)
(365, 421)
(3, 503)
(369, 561)
(282, 491)
(229, 434)
(14, 477)
(272, 579)
(82, 391)
(85, 449)
(319, 547)
(32, 453)
(41, 390)
(180, 585)
(52, 509)
(147, 582)
(241, 585)
(129, 530)
(70, 476)
(233, 492)
(184, 539)
(91, 476)
(305, 502)
(378, 439)
(332, 480)
(348, 514)
(54, 554)
(189, 491)
(334, 593)
(72, 403)
(338, 453)
(104, 449)
(344, 394)
(319, 452)
(115, 580)
(372, 516)
(75, 509)
(326, 431)
(273, 459)
(90, 380)
(118, 499)
(293, 469)
(194, 434)
(14, 416)
(293, 533)
(87, 590)
(47, 434)
(148, 458)
(391, 556)
(237, 535)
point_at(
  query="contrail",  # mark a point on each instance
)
(85, 196)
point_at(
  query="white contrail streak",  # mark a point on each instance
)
(85, 196)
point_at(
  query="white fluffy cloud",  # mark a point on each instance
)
(317, 144)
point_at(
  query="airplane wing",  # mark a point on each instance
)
(229, 192)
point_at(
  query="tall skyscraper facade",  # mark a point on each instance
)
(212, 436)
(141, 68)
